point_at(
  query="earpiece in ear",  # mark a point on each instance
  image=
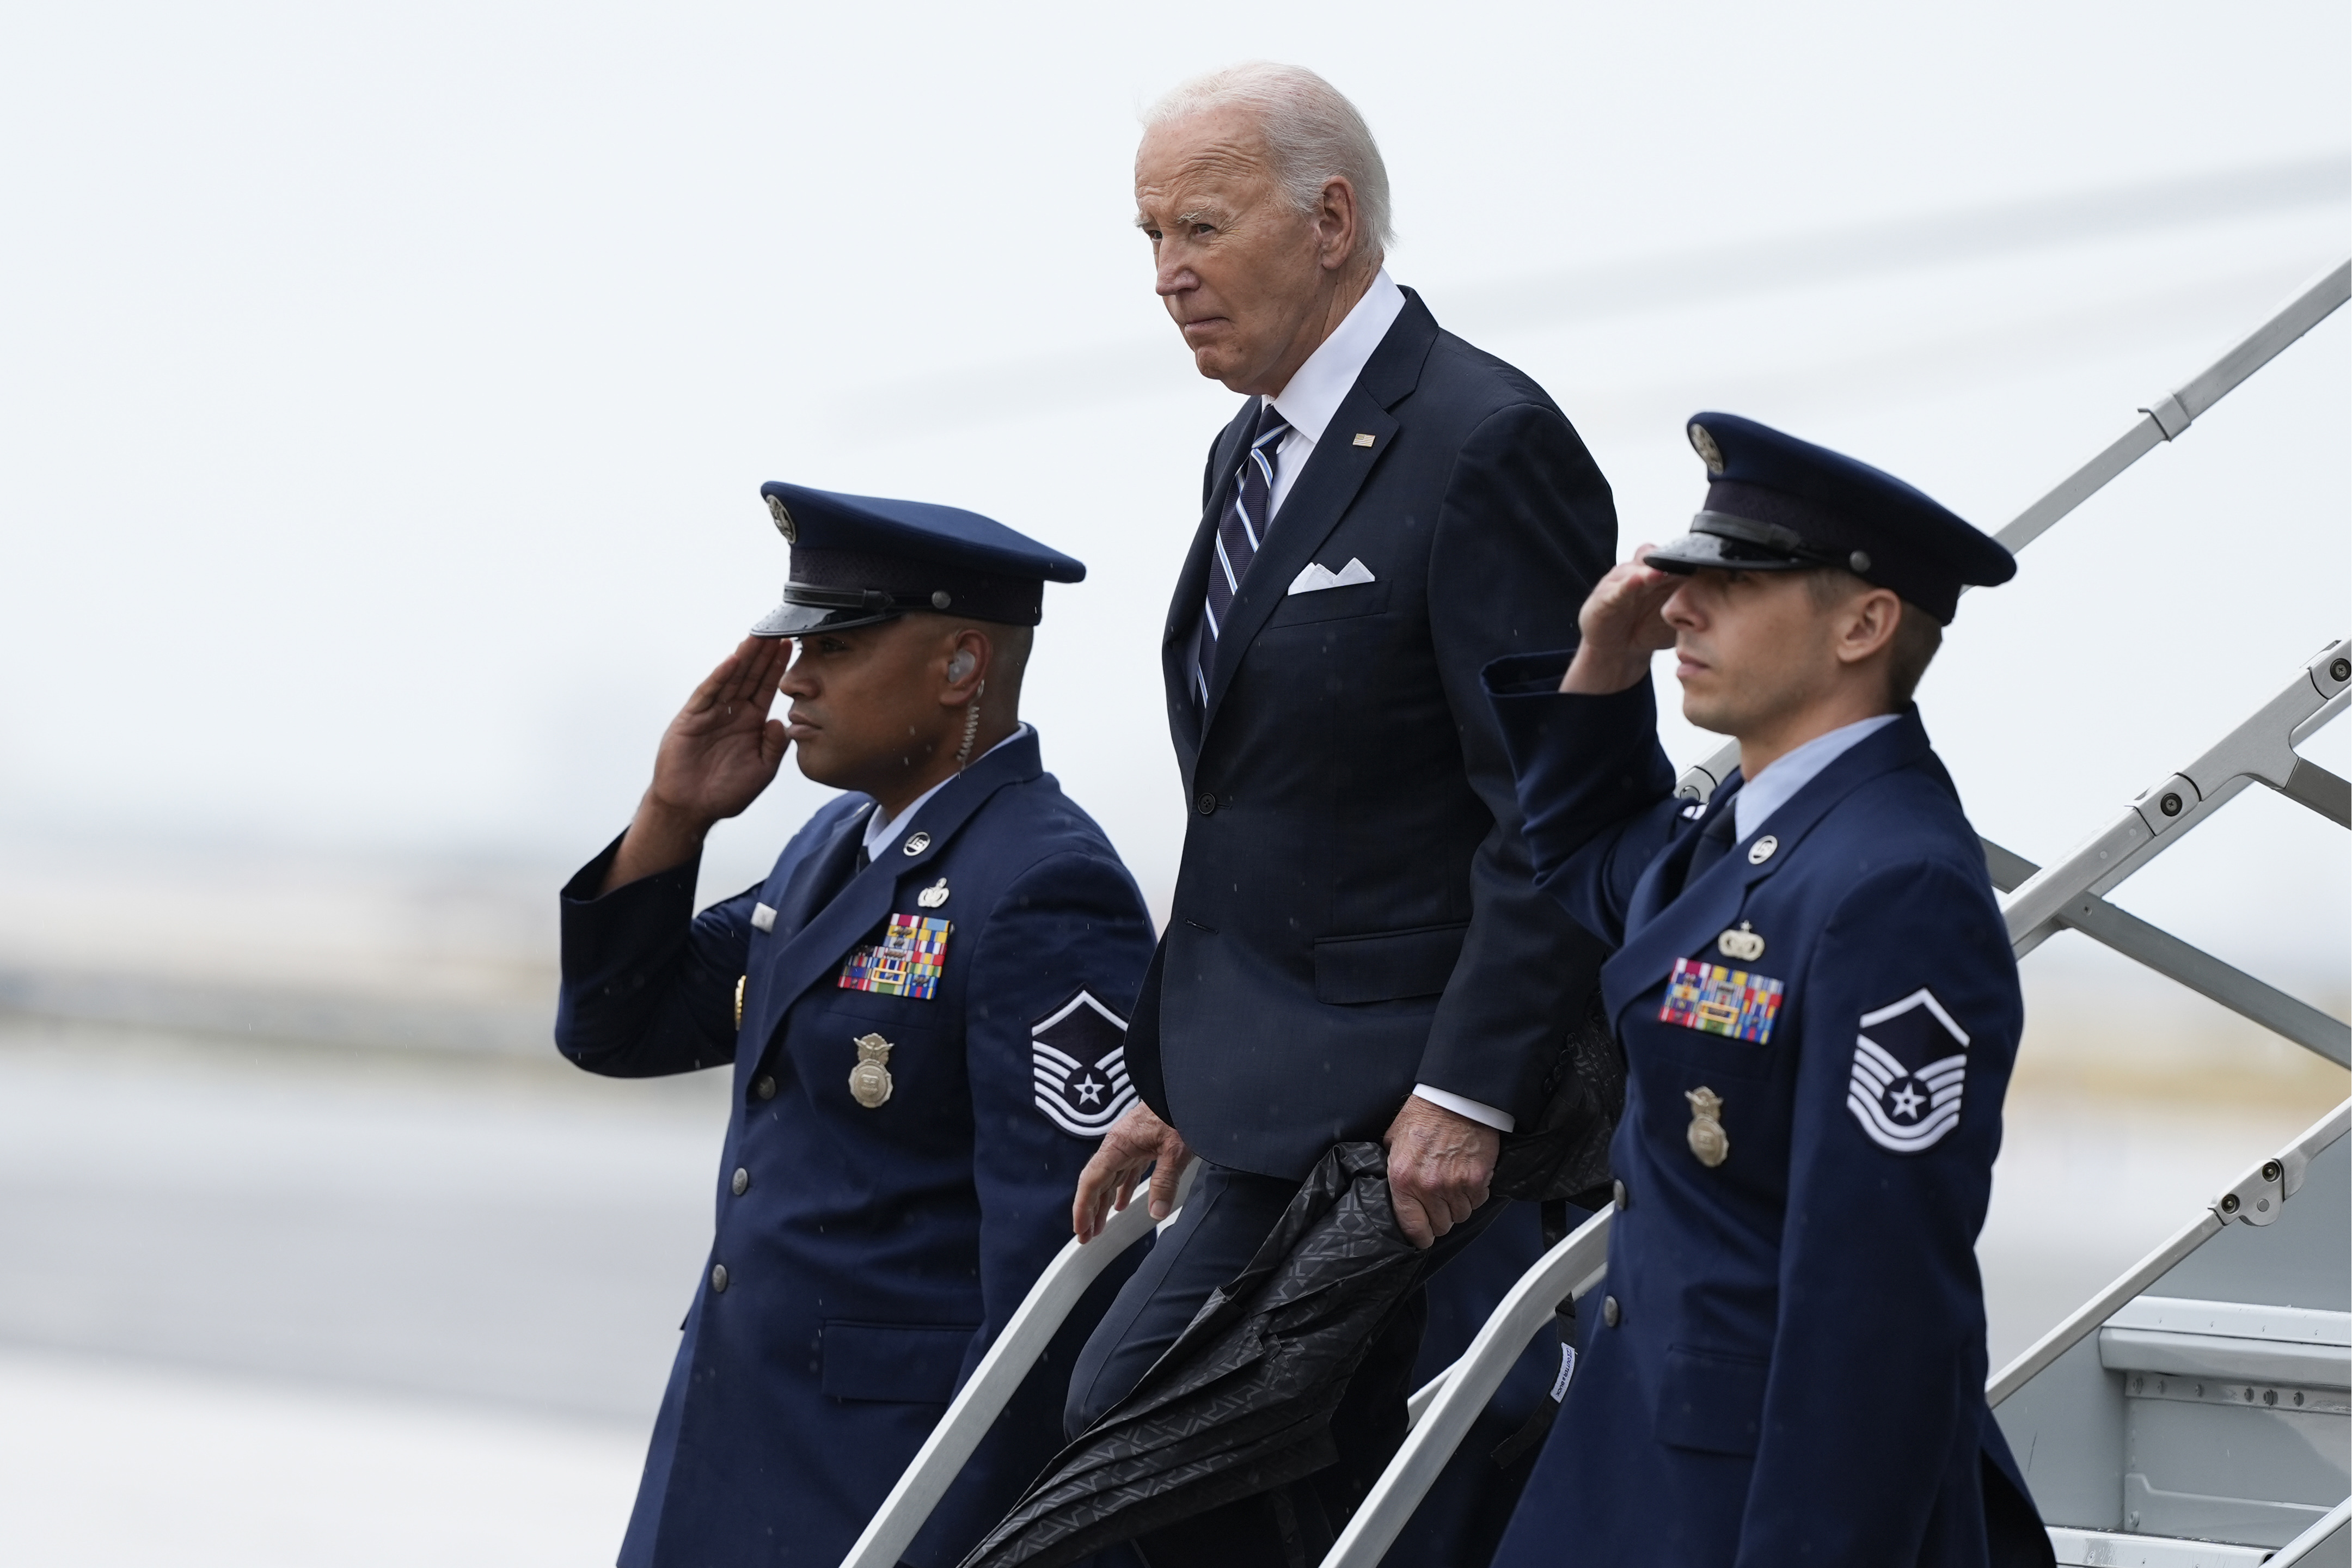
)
(960, 666)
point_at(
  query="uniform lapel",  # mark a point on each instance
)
(824, 941)
(1325, 488)
(1707, 907)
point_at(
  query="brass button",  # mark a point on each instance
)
(1206, 804)
(719, 1280)
(765, 1087)
(1616, 1190)
(742, 1182)
(1609, 1312)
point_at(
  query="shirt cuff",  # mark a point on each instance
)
(1485, 1115)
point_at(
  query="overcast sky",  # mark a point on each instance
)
(386, 391)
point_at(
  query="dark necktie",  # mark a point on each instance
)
(1239, 533)
(1714, 840)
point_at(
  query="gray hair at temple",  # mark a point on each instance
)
(1312, 132)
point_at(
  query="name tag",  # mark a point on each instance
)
(906, 961)
(1718, 1001)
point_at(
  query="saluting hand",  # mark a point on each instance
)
(1439, 1166)
(1621, 626)
(715, 758)
(1135, 1141)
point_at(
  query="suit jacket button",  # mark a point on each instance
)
(719, 1277)
(1206, 804)
(742, 1182)
(765, 1087)
(1616, 1190)
(1609, 1312)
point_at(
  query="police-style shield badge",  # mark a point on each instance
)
(1910, 1060)
(1078, 1056)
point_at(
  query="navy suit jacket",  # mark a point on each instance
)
(1796, 1371)
(1353, 913)
(873, 1253)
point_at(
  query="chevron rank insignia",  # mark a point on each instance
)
(1077, 1053)
(906, 962)
(1910, 1060)
(1718, 1001)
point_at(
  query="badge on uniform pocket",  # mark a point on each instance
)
(906, 961)
(1718, 1001)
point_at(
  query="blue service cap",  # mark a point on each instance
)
(1777, 504)
(857, 560)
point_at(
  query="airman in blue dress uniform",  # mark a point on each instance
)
(1820, 1010)
(924, 1007)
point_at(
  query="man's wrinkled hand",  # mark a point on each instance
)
(1136, 1141)
(1439, 1166)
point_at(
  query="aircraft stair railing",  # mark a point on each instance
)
(996, 1379)
(1443, 1411)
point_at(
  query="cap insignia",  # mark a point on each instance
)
(1708, 452)
(784, 524)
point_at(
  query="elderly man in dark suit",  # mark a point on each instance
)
(1356, 948)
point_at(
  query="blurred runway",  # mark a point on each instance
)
(271, 1305)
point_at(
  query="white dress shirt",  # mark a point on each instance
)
(880, 823)
(1323, 382)
(1773, 788)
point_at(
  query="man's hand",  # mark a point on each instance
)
(1136, 1139)
(715, 758)
(1439, 1164)
(1621, 627)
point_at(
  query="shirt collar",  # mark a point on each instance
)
(1312, 397)
(1773, 788)
(879, 824)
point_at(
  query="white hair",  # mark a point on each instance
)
(1313, 135)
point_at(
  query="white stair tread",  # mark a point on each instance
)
(2099, 1549)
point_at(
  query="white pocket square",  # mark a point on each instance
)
(1313, 579)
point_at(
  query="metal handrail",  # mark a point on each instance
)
(1567, 1271)
(995, 1380)
(2155, 948)
(2282, 1175)
(2261, 750)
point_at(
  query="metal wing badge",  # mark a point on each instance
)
(1907, 1074)
(1078, 1058)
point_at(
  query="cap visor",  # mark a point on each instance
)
(799, 620)
(1704, 551)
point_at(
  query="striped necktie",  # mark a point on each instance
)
(1239, 533)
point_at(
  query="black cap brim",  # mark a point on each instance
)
(1704, 552)
(800, 620)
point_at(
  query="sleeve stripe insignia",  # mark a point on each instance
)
(1077, 1057)
(1908, 1108)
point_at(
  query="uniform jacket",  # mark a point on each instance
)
(871, 1254)
(1796, 1369)
(1353, 912)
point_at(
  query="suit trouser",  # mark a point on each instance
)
(1225, 1218)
